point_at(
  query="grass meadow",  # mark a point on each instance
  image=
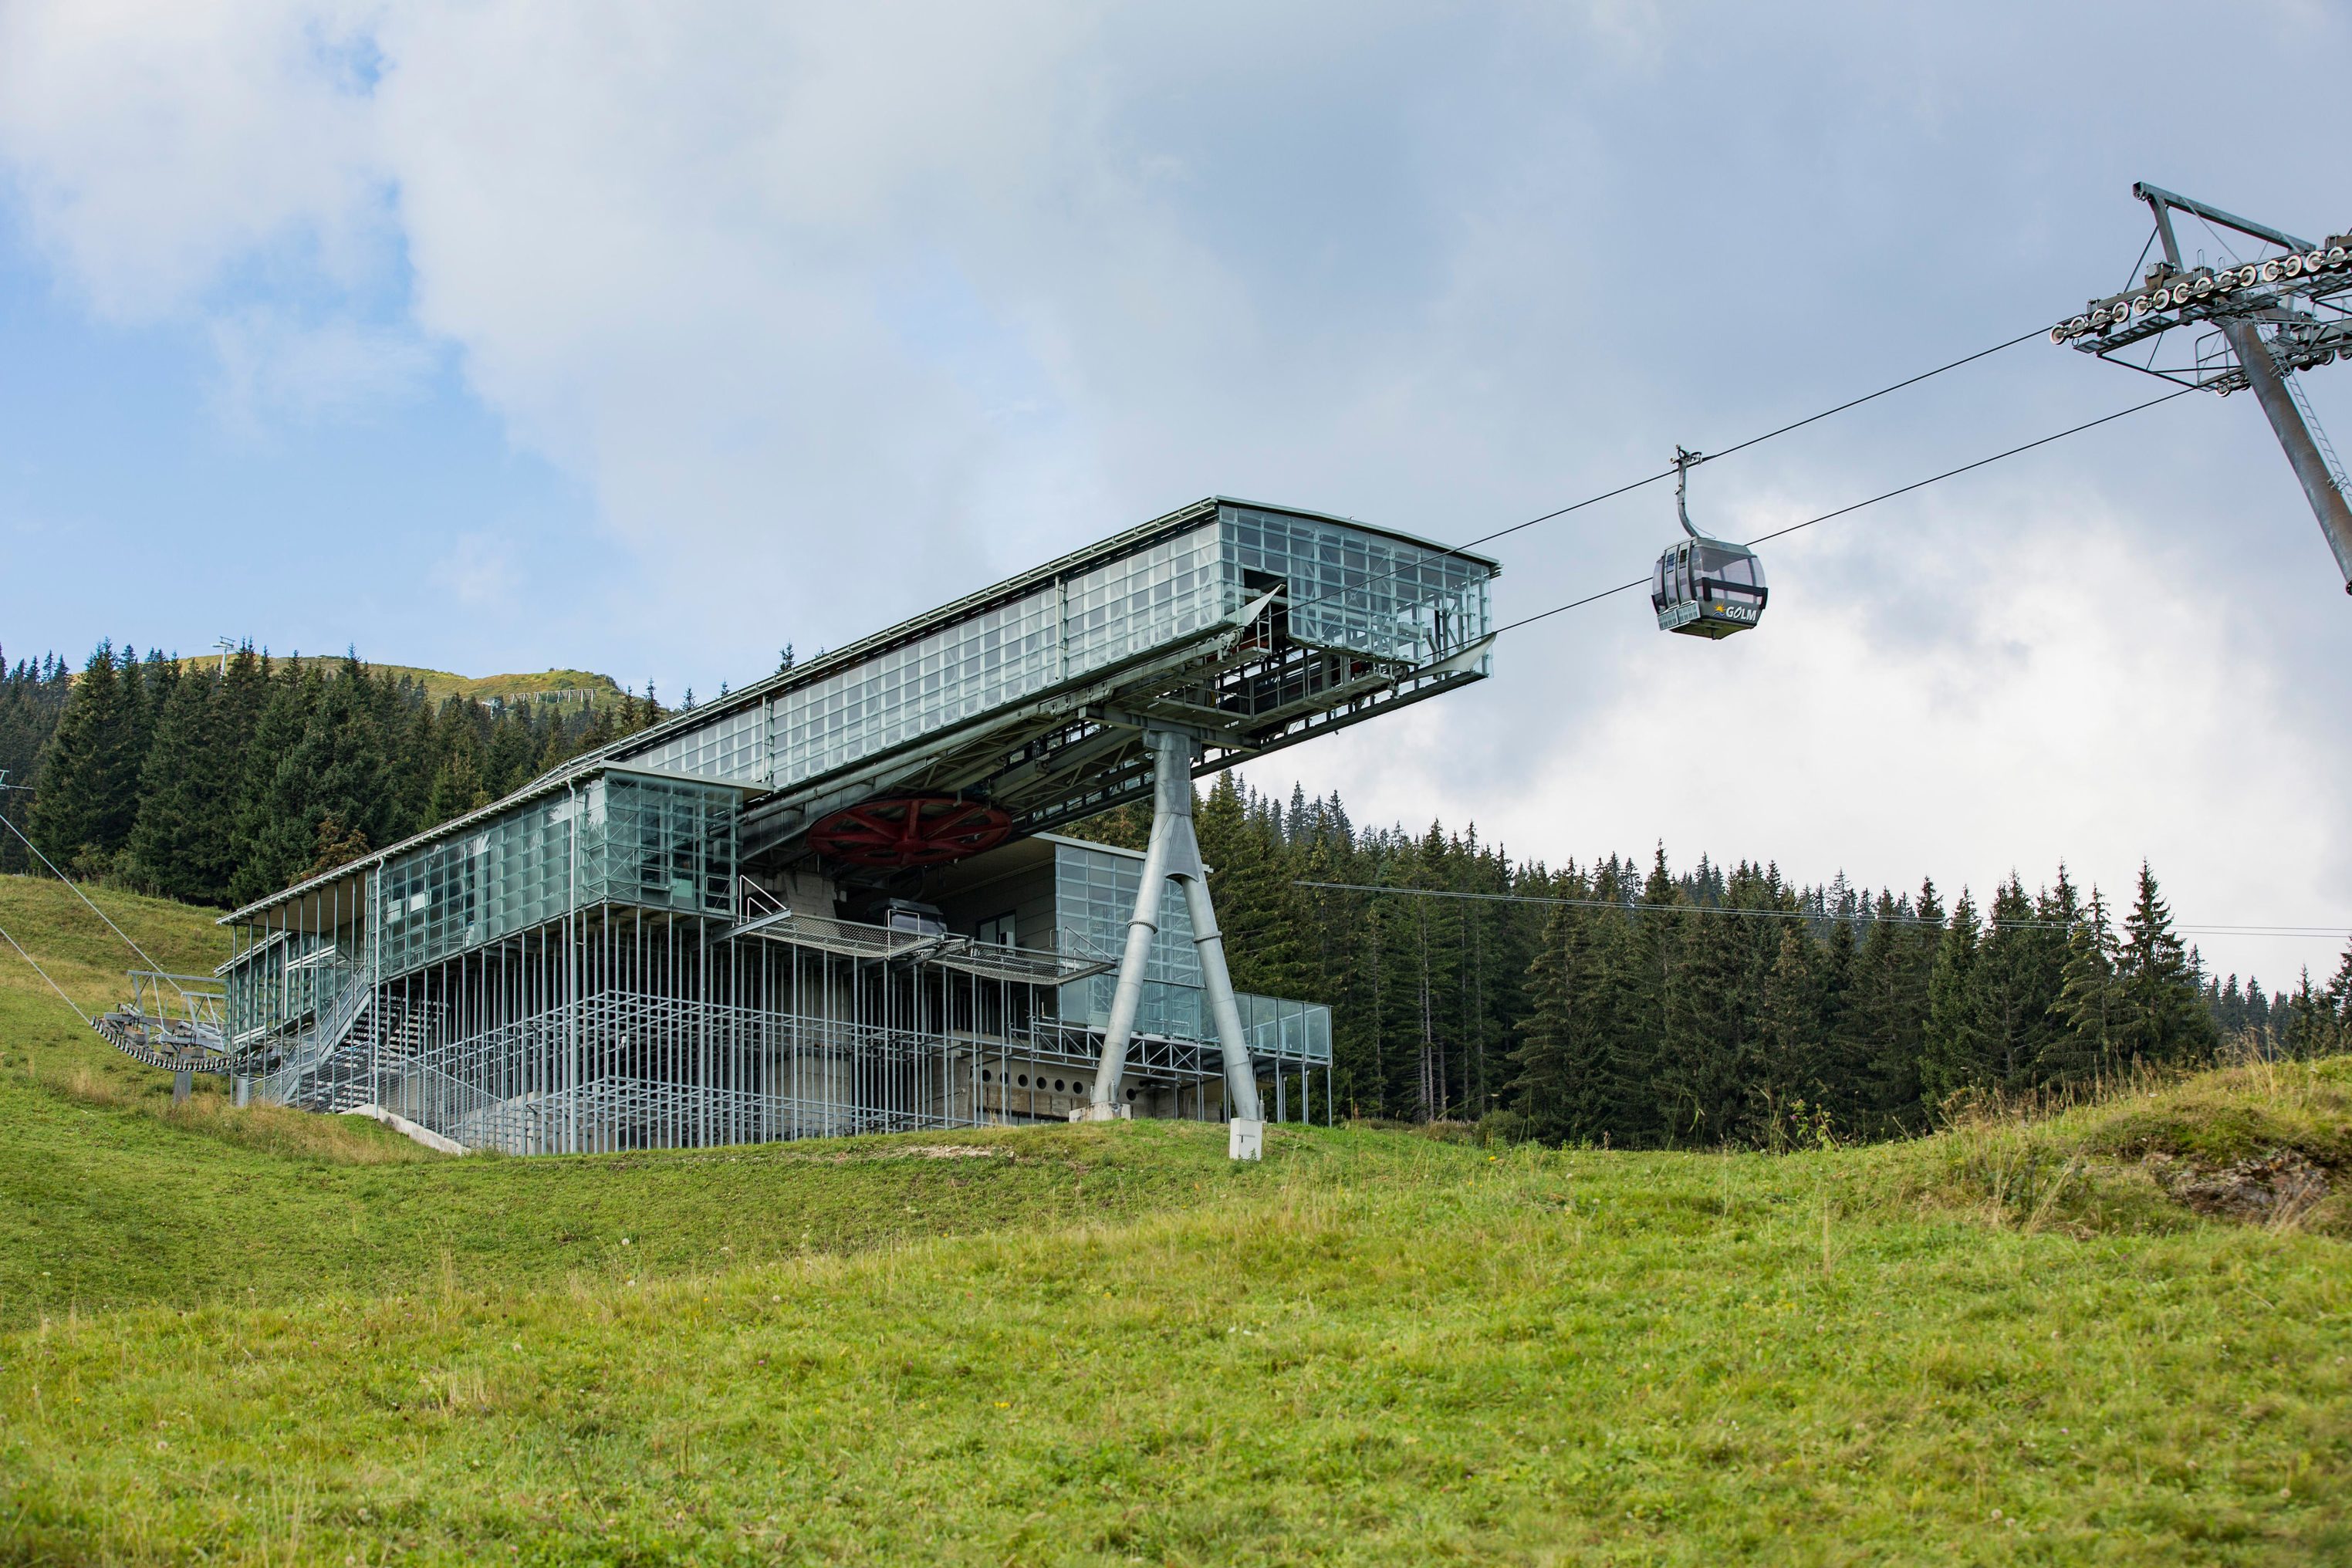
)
(250, 1337)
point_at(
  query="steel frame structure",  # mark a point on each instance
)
(2269, 317)
(621, 1027)
(641, 948)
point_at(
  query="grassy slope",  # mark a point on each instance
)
(1103, 1345)
(440, 683)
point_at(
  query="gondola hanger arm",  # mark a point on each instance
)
(1685, 461)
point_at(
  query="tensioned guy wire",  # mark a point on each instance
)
(1457, 550)
(1857, 506)
(1859, 917)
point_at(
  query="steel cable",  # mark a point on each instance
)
(153, 967)
(1857, 506)
(45, 975)
(1457, 550)
(1860, 916)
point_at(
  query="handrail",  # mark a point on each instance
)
(327, 1033)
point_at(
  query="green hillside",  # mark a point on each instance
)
(568, 686)
(247, 1336)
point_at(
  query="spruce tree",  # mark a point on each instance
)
(2309, 1029)
(511, 757)
(2339, 999)
(2046, 1039)
(2259, 1010)
(1797, 1068)
(1873, 1025)
(334, 845)
(1433, 970)
(2162, 1017)
(32, 697)
(1889, 1004)
(2226, 1000)
(1842, 1078)
(276, 828)
(85, 786)
(1952, 1055)
(1711, 1047)
(1561, 1090)
(2018, 970)
(1253, 883)
(2088, 995)
(457, 787)
(184, 843)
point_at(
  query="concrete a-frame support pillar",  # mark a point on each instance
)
(1174, 855)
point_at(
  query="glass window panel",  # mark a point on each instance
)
(657, 842)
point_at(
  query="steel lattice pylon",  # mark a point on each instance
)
(2268, 319)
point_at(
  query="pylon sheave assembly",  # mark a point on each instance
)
(2251, 323)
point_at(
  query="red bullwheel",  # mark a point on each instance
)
(914, 830)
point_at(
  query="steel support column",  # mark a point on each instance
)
(2270, 389)
(1173, 854)
(2263, 374)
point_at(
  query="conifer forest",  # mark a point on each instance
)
(1621, 1002)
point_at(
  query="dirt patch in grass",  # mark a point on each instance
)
(2276, 1190)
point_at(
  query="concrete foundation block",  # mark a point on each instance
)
(1244, 1140)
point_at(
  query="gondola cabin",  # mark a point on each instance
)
(1707, 588)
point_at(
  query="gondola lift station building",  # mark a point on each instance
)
(833, 901)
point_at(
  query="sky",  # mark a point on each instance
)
(511, 334)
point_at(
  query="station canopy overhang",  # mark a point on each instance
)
(1246, 627)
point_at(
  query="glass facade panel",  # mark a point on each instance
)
(1094, 891)
(993, 659)
(1350, 589)
(288, 977)
(734, 748)
(1279, 1027)
(652, 842)
(1177, 589)
(1093, 894)
(1362, 592)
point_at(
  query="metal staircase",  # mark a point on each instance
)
(324, 1064)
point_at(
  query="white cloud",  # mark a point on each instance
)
(835, 312)
(274, 367)
(158, 145)
(479, 572)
